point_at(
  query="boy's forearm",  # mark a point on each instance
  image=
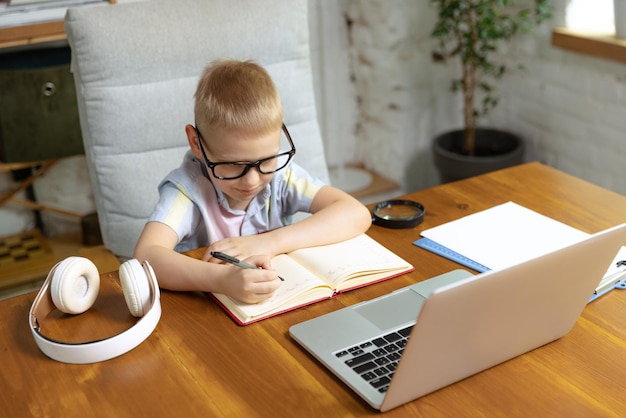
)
(177, 271)
(334, 223)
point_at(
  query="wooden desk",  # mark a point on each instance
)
(199, 363)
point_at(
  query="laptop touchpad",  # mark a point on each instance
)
(394, 309)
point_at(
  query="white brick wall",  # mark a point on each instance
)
(572, 110)
(393, 76)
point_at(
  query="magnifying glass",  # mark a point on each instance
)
(398, 214)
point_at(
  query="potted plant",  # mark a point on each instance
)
(471, 31)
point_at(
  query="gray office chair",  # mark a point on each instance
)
(136, 66)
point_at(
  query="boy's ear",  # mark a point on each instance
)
(192, 138)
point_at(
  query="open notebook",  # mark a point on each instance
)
(406, 344)
(319, 273)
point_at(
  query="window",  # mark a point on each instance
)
(590, 16)
(591, 30)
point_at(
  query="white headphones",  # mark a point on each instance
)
(72, 287)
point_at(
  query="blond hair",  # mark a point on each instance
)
(237, 95)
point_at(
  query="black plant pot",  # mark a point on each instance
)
(495, 149)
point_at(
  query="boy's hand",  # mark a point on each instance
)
(250, 285)
(240, 247)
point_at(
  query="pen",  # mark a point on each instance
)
(235, 261)
(610, 281)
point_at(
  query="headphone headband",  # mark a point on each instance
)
(99, 350)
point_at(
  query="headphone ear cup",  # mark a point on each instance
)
(75, 285)
(135, 286)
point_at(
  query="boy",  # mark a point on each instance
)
(235, 192)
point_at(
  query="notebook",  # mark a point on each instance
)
(318, 273)
(455, 325)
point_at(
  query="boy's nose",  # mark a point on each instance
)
(252, 176)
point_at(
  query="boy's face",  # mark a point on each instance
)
(227, 145)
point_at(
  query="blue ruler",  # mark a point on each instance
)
(439, 249)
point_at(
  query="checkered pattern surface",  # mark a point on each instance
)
(22, 247)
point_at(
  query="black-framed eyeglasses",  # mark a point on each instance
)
(231, 170)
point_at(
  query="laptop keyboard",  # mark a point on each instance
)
(376, 360)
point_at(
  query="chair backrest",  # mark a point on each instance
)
(136, 66)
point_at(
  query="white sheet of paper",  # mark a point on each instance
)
(504, 235)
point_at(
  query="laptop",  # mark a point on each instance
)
(418, 339)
